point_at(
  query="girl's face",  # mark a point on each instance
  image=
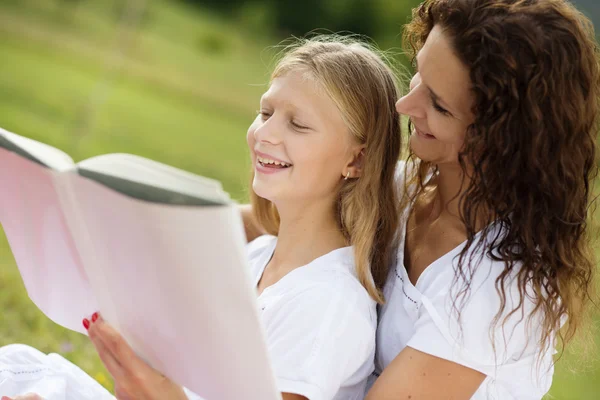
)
(439, 102)
(299, 144)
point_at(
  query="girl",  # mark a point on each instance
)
(324, 148)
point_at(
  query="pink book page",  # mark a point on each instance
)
(174, 281)
(41, 243)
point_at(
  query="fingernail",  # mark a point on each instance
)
(5, 398)
(86, 323)
(94, 317)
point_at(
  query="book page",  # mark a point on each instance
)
(35, 151)
(41, 242)
(174, 281)
(152, 181)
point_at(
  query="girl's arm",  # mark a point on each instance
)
(417, 375)
(133, 377)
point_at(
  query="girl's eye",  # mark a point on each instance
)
(264, 115)
(298, 126)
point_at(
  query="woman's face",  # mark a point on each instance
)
(439, 102)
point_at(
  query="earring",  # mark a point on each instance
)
(347, 176)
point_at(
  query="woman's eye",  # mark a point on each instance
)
(440, 109)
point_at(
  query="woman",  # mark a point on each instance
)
(495, 253)
(324, 147)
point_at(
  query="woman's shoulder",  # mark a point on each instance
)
(485, 296)
(479, 268)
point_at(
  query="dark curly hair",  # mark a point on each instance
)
(531, 150)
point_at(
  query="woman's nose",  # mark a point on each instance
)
(413, 104)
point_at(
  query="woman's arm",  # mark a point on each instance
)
(417, 375)
(251, 226)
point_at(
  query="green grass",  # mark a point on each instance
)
(184, 94)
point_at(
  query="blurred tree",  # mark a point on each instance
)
(222, 5)
(299, 17)
(591, 8)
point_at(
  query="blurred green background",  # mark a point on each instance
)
(177, 81)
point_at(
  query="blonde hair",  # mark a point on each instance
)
(364, 89)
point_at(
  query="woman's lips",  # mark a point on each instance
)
(423, 134)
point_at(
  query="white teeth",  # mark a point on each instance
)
(273, 162)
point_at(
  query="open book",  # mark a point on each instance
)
(160, 252)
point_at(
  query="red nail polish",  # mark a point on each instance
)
(86, 323)
(94, 317)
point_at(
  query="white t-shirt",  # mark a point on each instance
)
(320, 325)
(421, 316)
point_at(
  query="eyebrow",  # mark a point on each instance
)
(286, 103)
(434, 95)
(306, 117)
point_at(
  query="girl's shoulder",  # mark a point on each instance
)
(261, 244)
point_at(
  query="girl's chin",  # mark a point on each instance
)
(263, 192)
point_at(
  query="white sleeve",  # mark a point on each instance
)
(258, 245)
(474, 341)
(320, 339)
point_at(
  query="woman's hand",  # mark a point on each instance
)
(134, 379)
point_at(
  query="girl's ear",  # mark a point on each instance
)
(355, 164)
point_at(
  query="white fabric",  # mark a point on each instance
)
(320, 325)
(422, 316)
(24, 369)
